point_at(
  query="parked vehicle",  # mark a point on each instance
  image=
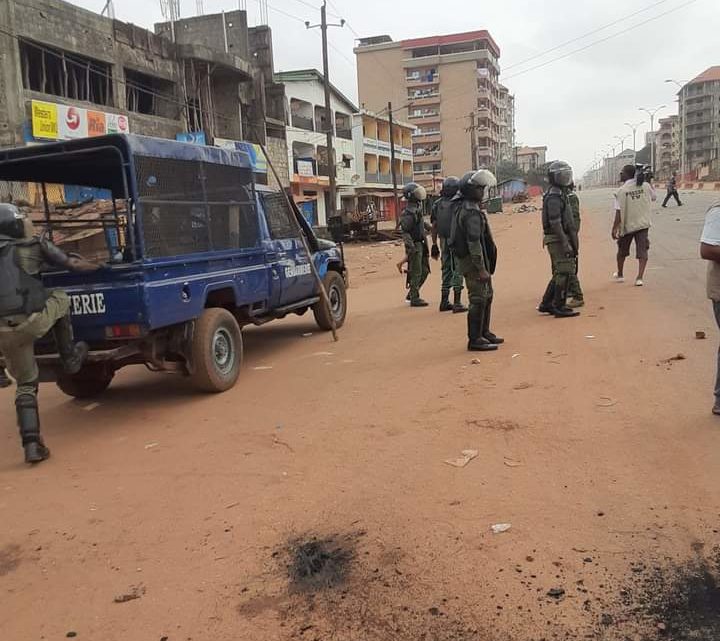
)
(194, 251)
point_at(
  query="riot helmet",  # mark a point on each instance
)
(12, 221)
(412, 192)
(474, 183)
(450, 187)
(560, 174)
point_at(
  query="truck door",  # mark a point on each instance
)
(289, 262)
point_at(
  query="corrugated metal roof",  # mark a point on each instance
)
(710, 74)
(452, 38)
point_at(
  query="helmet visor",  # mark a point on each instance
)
(419, 193)
(564, 177)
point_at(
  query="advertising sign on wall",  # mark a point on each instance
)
(257, 158)
(52, 121)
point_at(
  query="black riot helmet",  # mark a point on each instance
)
(560, 174)
(414, 193)
(474, 183)
(11, 221)
(450, 186)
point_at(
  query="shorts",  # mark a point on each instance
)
(642, 244)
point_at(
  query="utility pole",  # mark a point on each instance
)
(473, 141)
(329, 127)
(652, 113)
(393, 173)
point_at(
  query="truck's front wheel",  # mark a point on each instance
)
(334, 285)
(217, 351)
(92, 380)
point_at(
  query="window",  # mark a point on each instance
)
(68, 75)
(279, 217)
(149, 95)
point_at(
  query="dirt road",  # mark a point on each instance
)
(312, 501)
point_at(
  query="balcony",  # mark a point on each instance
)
(344, 133)
(302, 122)
(427, 116)
(699, 133)
(434, 156)
(425, 101)
(422, 80)
(379, 178)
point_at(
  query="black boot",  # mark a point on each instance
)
(418, 302)
(458, 307)
(445, 305)
(72, 354)
(560, 308)
(487, 334)
(29, 424)
(4, 379)
(476, 342)
(546, 305)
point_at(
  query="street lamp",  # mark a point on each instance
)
(634, 127)
(682, 122)
(652, 114)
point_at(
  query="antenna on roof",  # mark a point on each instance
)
(109, 8)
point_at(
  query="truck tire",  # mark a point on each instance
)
(92, 380)
(217, 351)
(335, 287)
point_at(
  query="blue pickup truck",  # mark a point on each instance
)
(193, 251)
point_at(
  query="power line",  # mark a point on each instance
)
(585, 35)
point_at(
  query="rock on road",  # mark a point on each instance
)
(164, 514)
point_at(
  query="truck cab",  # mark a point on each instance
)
(192, 251)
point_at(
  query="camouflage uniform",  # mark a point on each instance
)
(414, 231)
(574, 290)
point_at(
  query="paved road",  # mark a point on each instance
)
(203, 515)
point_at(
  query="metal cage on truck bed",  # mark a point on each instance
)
(167, 198)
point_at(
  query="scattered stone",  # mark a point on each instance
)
(434, 611)
(662, 627)
(556, 593)
(601, 513)
(499, 528)
(136, 591)
(464, 459)
(700, 335)
(521, 386)
(71, 634)
(529, 558)
(607, 619)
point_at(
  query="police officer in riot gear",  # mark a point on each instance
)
(474, 247)
(27, 312)
(441, 220)
(561, 239)
(414, 231)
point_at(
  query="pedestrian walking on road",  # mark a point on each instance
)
(561, 239)
(633, 219)
(441, 224)
(27, 312)
(710, 251)
(672, 191)
(472, 242)
(414, 235)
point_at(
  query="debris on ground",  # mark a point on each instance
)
(512, 463)
(320, 563)
(525, 209)
(590, 336)
(475, 361)
(135, 592)
(499, 528)
(700, 335)
(307, 335)
(150, 446)
(261, 368)
(556, 593)
(677, 357)
(521, 386)
(606, 401)
(465, 457)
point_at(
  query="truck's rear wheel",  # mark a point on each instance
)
(217, 351)
(92, 380)
(335, 287)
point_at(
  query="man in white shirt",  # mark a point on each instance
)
(633, 211)
(710, 251)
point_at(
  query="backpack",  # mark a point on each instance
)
(20, 293)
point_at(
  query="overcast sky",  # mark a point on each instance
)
(575, 106)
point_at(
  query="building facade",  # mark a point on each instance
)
(66, 72)
(307, 144)
(699, 113)
(506, 103)
(447, 86)
(528, 158)
(667, 147)
(372, 148)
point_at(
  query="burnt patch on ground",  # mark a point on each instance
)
(345, 587)
(677, 600)
(9, 559)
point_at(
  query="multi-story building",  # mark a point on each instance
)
(372, 144)
(443, 85)
(700, 125)
(667, 147)
(307, 144)
(68, 73)
(528, 158)
(506, 104)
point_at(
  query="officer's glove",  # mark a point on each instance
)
(435, 252)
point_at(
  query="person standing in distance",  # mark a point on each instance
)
(414, 231)
(27, 312)
(441, 221)
(672, 191)
(575, 292)
(561, 239)
(633, 219)
(710, 251)
(472, 242)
